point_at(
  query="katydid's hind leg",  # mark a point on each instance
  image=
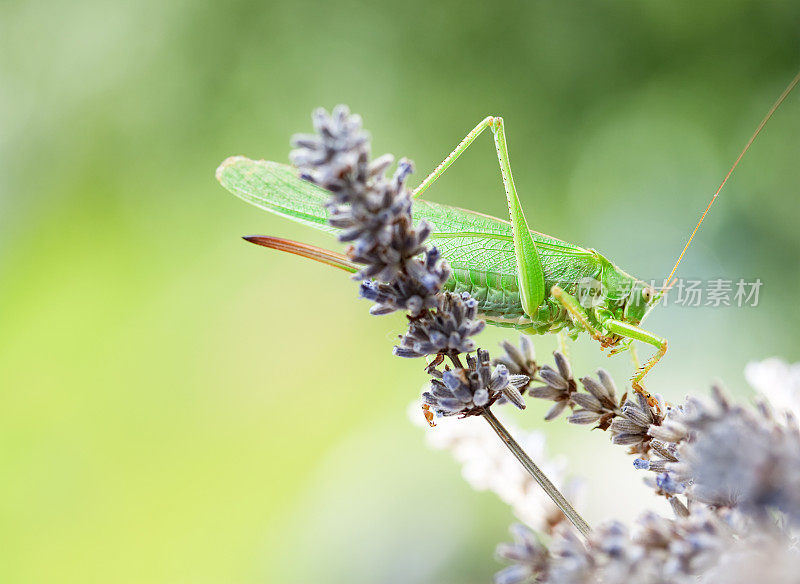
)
(630, 331)
(453, 156)
(529, 267)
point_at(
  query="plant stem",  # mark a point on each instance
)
(456, 361)
(549, 488)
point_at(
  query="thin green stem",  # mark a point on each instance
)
(541, 478)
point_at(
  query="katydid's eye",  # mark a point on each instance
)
(647, 294)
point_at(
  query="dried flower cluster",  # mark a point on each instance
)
(736, 468)
(467, 391)
(628, 419)
(720, 548)
(374, 212)
(725, 455)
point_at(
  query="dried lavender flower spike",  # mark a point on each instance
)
(519, 360)
(697, 546)
(447, 329)
(529, 557)
(469, 391)
(733, 456)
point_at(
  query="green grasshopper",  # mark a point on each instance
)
(521, 278)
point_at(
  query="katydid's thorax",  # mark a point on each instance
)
(604, 290)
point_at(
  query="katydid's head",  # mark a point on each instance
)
(616, 293)
(639, 302)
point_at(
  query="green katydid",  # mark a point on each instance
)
(521, 278)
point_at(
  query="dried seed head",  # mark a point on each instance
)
(655, 551)
(560, 386)
(631, 428)
(469, 391)
(447, 330)
(734, 456)
(519, 360)
(337, 156)
(415, 293)
(373, 212)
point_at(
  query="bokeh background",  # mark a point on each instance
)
(180, 406)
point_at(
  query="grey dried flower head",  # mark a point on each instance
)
(685, 546)
(672, 429)
(656, 551)
(529, 558)
(597, 404)
(373, 220)
(412, 293)
(632, 427)
(374, 214)
(560, 385)
(469, 391)
(447, 330)
(734, 456)
(519, 360)
(379, 225)
(337, 156)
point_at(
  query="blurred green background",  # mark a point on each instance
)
(180, 406)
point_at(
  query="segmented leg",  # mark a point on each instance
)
(453, 156)
(630, 331)
(635, 357)
(562, 343)
(529, 266)
(571, 305)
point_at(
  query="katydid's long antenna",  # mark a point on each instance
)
(668, 280)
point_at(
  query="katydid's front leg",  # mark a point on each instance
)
(614, 327)
(577, 312)
(529, 267)
(630, 331)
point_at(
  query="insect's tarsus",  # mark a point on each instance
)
(668, 282)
